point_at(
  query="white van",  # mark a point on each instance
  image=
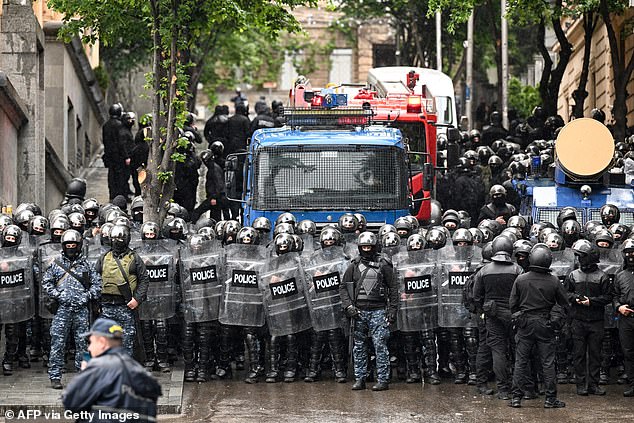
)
(439, 85)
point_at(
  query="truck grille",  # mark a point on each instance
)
(335, 178)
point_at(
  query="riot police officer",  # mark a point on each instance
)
(73, 282)
(116, 156)
(369, 295)
(532, 298)
(492, 289)
(589, 292)
(498, 209)
(125, 283)
(624, 304)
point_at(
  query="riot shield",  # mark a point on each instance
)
(48, 254)
(158, 257)
(611, 262)
(324, 271)
(241, 296)
(282, 286)
(563, 263)
(201, 284)
(417, 290)
(350, 247)
(310, 245)
(457, 265)
(17, 301)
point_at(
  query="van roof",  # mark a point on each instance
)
(438, 84)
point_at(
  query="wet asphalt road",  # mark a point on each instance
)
(327, 401)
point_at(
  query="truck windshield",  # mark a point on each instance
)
(444, 110)
(330, 178)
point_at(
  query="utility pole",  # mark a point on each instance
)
(469, 87)
(439, 40)
(505, 66)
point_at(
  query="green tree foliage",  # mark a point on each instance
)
(180, 36)
(522, 98)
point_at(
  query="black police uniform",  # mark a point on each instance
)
(492, 289)
(534, 294)
(624, 295)
(587, 324)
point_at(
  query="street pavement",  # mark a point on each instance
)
(327, 401)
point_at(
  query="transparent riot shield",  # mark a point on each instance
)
(282, 286)
(324, 271)
(457, 265)
(242, 303)
(611, 262)
(350, 247)
(310, 245)
(563, 263)
(17, 300)
(48, 254)
(417, 290)
(158, 257)
(202, 273)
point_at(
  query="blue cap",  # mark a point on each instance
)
(105, 327)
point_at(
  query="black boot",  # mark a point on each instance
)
(291, 359)
(358, 385)
(337, 348)
(188, 352)
(272, 360)
(253, 351)
(204, 352)
(316, 346)
(224, 358)
(161, 346)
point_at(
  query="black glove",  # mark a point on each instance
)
(391, 316)
(352, 312)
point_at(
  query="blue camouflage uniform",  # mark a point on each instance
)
(113, 304)
(369, 286)
(73, 313)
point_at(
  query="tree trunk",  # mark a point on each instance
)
(152, 186)
(556, 75)
(622, 75)
(548, 64)
(580, 94)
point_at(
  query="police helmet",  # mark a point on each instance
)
(386, 229)
(413, 221)
(220, 229)
(619, 231)
(540, 257)
(598, 114)
(610, 214)
(329, 237)
(544, 232)
(197, 243)
(284, 243)
(390, 239)
(283, 228)
(174, 228)
(587, 253)
(306, 227)
(497, 190)
(462, 237)
(436, 238)
(415, 242)
(286, 217)
(205, 222)
(502, 245)
(555, 241)
(604, 236)
(71, 236)
(248, 236)
(495, 161)
(298, 243)
(262, 224)
(518, 222)
(571, 231)
(348, 223)
(136, 208)
(76, 188)
(22, 219)
(567, 213)
(232, 227)
(478, 236)
(368, 239)
(403, 227)
(105, 230)
(217, 148)
(38, 225)
(77, 221)
(522, 246)
(115, 110)
(208, 232)
(150, 231)
(120, 236)
(11, 236)
(363, 223)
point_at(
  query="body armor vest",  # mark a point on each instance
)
(371, 289)
(111, 274)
